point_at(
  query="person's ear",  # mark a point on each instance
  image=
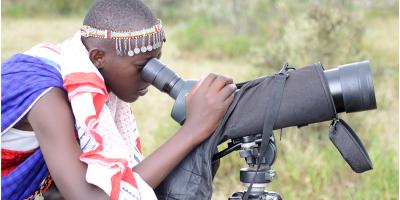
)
(97, 57)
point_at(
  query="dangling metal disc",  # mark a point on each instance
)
(136, 50)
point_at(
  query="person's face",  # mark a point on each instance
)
(122, 74)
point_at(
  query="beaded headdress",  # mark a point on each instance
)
(126, 42)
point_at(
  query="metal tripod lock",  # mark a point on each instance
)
(258, 174)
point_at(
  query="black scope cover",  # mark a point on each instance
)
(306, 99)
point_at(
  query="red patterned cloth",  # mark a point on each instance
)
(10, 159)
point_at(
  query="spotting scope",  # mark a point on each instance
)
(350, 86)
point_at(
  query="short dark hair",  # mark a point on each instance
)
(119, 15)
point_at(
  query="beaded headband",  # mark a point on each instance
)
(126, 42)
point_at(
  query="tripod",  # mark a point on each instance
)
(248, 147)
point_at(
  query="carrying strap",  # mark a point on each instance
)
(271, 115)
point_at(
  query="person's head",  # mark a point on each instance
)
(122, 54)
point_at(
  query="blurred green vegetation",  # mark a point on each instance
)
(246, 39)
(43, 8)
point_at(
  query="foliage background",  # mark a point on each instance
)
(246, 39)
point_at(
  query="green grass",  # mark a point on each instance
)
(308, 166)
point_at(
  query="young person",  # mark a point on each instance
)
(65, 111)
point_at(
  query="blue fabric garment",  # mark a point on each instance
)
(23, 80)
(24, 180)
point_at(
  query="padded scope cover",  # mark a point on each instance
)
(306, 99)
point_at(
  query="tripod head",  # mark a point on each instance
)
(258, 172)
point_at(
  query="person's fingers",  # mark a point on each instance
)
(194, 88)
(229, 100)
(209, 80)
(220, 82)
(227, 91)
(215, 84)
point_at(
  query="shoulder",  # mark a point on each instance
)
(53, 103)
(51, 117)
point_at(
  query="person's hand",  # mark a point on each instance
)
(207, 103)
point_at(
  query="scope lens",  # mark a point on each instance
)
(352, 87)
